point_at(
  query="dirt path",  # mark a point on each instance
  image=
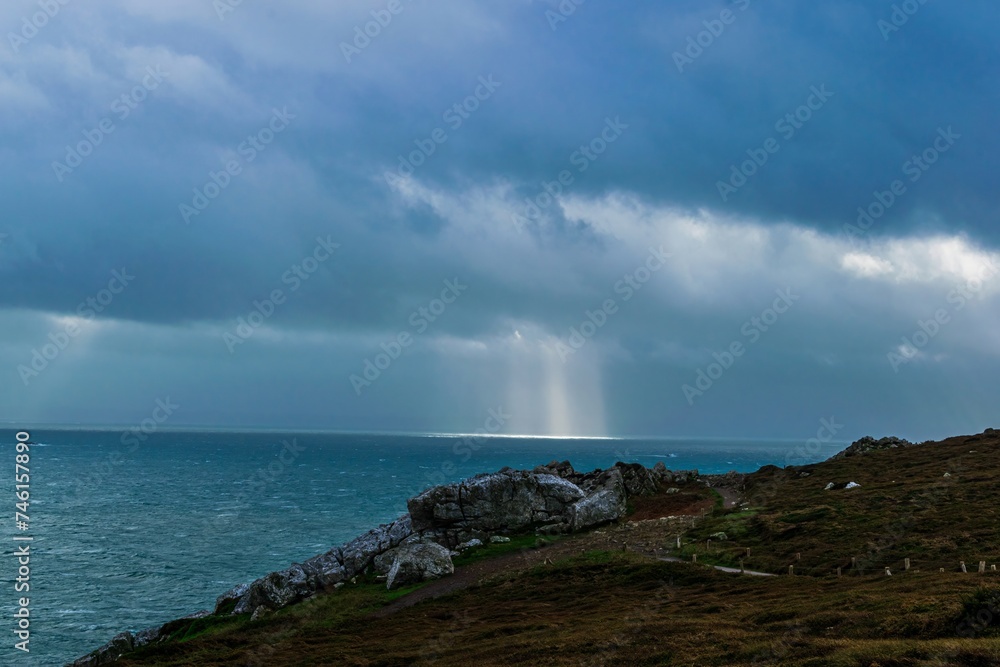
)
(721, 568)
(730, 497)
(650, 531)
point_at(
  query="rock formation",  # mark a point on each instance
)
(418, 546)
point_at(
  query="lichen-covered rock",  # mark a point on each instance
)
(327, 569)
(276, 590)
(418, 562)
(122, 643)
(870, 444)
(638, 479)
(599, 507)
(228, 600)
(382, 563)
(507, 501)
(359, 553)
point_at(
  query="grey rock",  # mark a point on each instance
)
(499, 539)
(719, 536)
(506, 501)
(870, 444)
(418, 562)
(148, 636)
(382, 563)
(231, 596)
(602, 506)
(359, 552)
(326, 569)
(276, 590)
(471, 544)
(121, 644)
(638, 479)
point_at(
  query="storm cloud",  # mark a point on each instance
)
(399, 214)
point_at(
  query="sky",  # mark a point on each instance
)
(712, 218)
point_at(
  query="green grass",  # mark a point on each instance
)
(610, 607)
(517, 543)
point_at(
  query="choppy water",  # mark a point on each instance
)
(131, 534)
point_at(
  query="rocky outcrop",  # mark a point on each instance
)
(419, 561)
(508, 501)
(418, 546)
(870, 444)
(126, 642)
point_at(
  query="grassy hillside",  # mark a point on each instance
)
(602, 598)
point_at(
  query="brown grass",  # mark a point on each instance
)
(609, 607)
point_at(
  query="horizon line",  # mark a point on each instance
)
(195, 428)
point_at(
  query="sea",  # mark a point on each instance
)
(130, 530)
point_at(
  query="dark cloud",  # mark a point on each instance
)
(530, 278)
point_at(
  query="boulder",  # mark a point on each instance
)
(870, 444)
(638, 479)
(326, 569)
(230, 598)
(276, 590)
(421, 561)
(121, 644)
(505, 501)
(359, 553)
(499, 539)
(471, 544)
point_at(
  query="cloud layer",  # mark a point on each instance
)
(537, 157)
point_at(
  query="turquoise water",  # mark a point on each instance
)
(130, 534)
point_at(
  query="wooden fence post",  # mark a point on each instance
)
(791, 569)
(838, 571)
(982, 567)
(906, 563)
(962, 565)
